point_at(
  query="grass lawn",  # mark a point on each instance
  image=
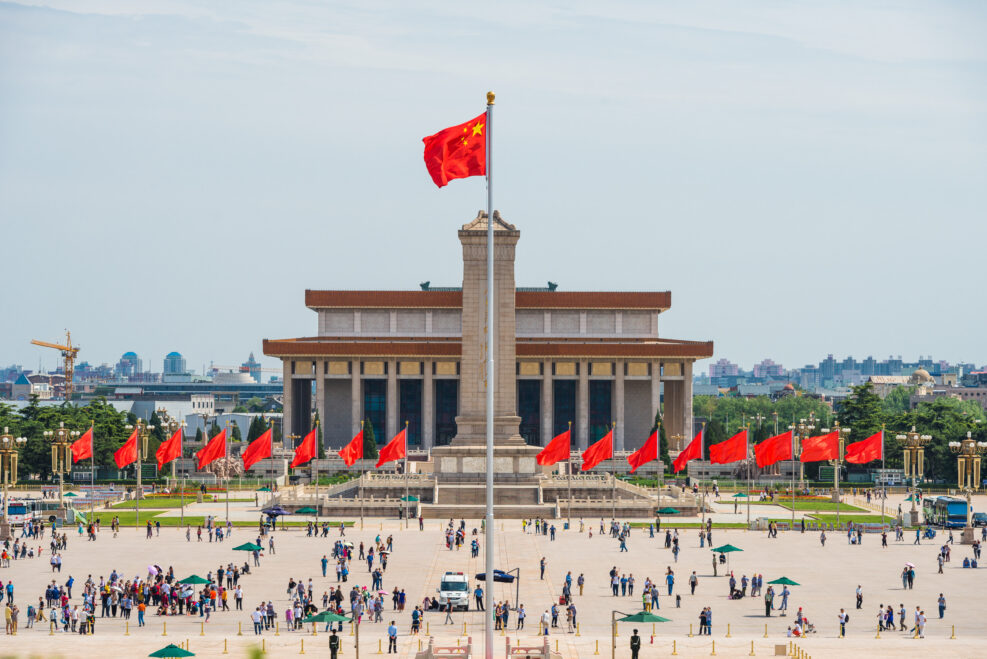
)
(162, 503)
(864, 519)
(801, 505)
(668, 523)
(129, 518)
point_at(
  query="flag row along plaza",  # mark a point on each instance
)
(506, 415)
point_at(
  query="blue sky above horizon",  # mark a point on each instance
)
(804, 177)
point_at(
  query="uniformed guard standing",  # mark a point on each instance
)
(333, 645)
(635, 645)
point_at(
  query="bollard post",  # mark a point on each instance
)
(202, 629)
(420, 645)
(277, 628)
(315, 631)
(728, 630)
(225, 649)
(457, 642)
(652, 629)
(379, 651)
(556, 645)
(351, 629)
(51, 629)
(674, 652)
(713, 653)
(577, 629)
(464, 628)
(263, 644)
(597, 650)
(302, 651)
(239, 629)
(164, 628)
(690, 630)
(878, 635)
(953, 635)
(752, 649)
(765, 630)
(126, 628)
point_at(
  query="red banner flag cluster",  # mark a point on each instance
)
(396, 449)
(305, 451)
(170, 449)
(214, 450)
(598, 452)
(353, 451)
(127, 454)
(645, 454)
(820, 448)
(866, 450)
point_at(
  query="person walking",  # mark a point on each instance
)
(942, 606)
(860, 597)
(843, 618)
(541, 565)
(693, 582)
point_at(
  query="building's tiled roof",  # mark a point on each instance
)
(437, 347)
(652, 300)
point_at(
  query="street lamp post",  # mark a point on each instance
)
(8, 473)
(143, 432)
(968, 474)
(171, 426)
(841, 434)
(914, 453)
(61, 457)
(800, 432)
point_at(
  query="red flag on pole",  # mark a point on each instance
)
(214, 450)
(457, 152)
(353, 451)
(394, 449)
(866, 450)
(598, 452)
(127, 454)
(305, 451)
(258, 449)
(821, 447)
(731, 450)
(694, 451)
(645, 454)
(170, 449)
(774, 449)
(82, 448)
(556, 450)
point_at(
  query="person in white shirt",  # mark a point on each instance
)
(546, 622)
(257, 618)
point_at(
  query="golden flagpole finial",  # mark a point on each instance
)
(490, 98)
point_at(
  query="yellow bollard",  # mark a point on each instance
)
(277, 628)
(728, 630)
(597, 650)
(379, 650)
(752, 649)
(126, 628)
(51, 629)
(419, 645)
(239, 629)
(263, 645)
(953, 635)
(351, 629)
(225, 650)
(426, 628)
(690, 630)
(713, 653)
(187, 643)
(674, 651)
(302, 651)
(457, 642)
(577, 629)
(556, 645)
(315, 631)
(878, 635)
(765, 630)
(202, 629)
(464, 628)
(791, 649)
(164, 628)
(652, 629)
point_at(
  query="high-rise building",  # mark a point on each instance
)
(174, 364)
(129, 365)
(252, 368)
(768, 369)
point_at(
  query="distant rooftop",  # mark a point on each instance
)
(427, 286)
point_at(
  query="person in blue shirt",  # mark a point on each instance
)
(392, 639)
(68, 586)
(325, 565)
(478, 594)
(670, 581)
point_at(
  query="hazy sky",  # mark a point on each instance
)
(804, 177)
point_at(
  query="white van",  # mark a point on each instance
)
(455, 589)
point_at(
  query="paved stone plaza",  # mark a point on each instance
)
(828, 578)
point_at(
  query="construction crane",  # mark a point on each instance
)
(69, 352)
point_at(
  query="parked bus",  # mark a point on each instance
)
(22, 510)
(946, 512)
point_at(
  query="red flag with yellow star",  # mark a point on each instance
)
(457, 152)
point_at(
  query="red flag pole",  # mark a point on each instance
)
(406, 497)
(613, 477)
(568, 467)
(226, 453)
(702, 468)
(315, 474)
(884, 477)
(92, 473)
(363, 468)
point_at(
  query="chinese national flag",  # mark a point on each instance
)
(822, 447)
(127, 454)
(694, 451)
(305, 451)
(731, 450)
(170, 449)
(457, 152)
(774, 449)
(353, 451)
(258, 449)
(866, 450)
(214, 450)
(598, 452)
(394, 449)
(645, 454)
(556, 450)
(82, 448)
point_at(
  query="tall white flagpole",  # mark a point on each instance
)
(488, 630)
(884, 477)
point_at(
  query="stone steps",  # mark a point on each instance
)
(472, 511)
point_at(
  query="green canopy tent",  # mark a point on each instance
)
(326, 616)
(639, 617)
(412, 499)
(194, 580)
(71, 494)
(727, 549)
(307, 510)
(668, 511)
(785, 581)
(172, 651)
(248, 546)
(263, 489)
(643, 616)
(740, 494)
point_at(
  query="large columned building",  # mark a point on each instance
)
(592, 359)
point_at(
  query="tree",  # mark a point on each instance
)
(258, 426)
(255, 404)
(369, 441)
(235, 432)
(320, 447)
(198, 435)
(862, 412)
(898, 401)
